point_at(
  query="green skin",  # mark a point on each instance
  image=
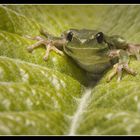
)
(92, 50)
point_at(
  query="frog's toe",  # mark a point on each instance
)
(29, 49)
(119, 72)
(45, 58)
(129, 70)
(57, 51)
(113, 73)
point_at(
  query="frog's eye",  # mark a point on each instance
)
(69, 36)
(100, 37)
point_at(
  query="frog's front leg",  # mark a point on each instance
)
(122, 64)
(49, 44)
(37, 44)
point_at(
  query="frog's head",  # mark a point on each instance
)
(87, 47)
(84, 38)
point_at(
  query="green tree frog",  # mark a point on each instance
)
(92, 50)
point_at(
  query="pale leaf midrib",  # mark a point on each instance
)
(80, 109)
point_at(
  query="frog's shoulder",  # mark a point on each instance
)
(116, 36)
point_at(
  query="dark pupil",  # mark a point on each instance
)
(100, 37)
(69, 36)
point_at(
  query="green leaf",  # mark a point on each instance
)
(52, 98)
(16, 23)
(33, 122)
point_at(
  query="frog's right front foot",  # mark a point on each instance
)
(49, 44)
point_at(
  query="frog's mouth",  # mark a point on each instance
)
(98, 53)
(74, 49)
(90, 59)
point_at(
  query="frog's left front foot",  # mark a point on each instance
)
(118, 68)
(121, 65)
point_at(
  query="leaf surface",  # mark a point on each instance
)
(51, 98)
